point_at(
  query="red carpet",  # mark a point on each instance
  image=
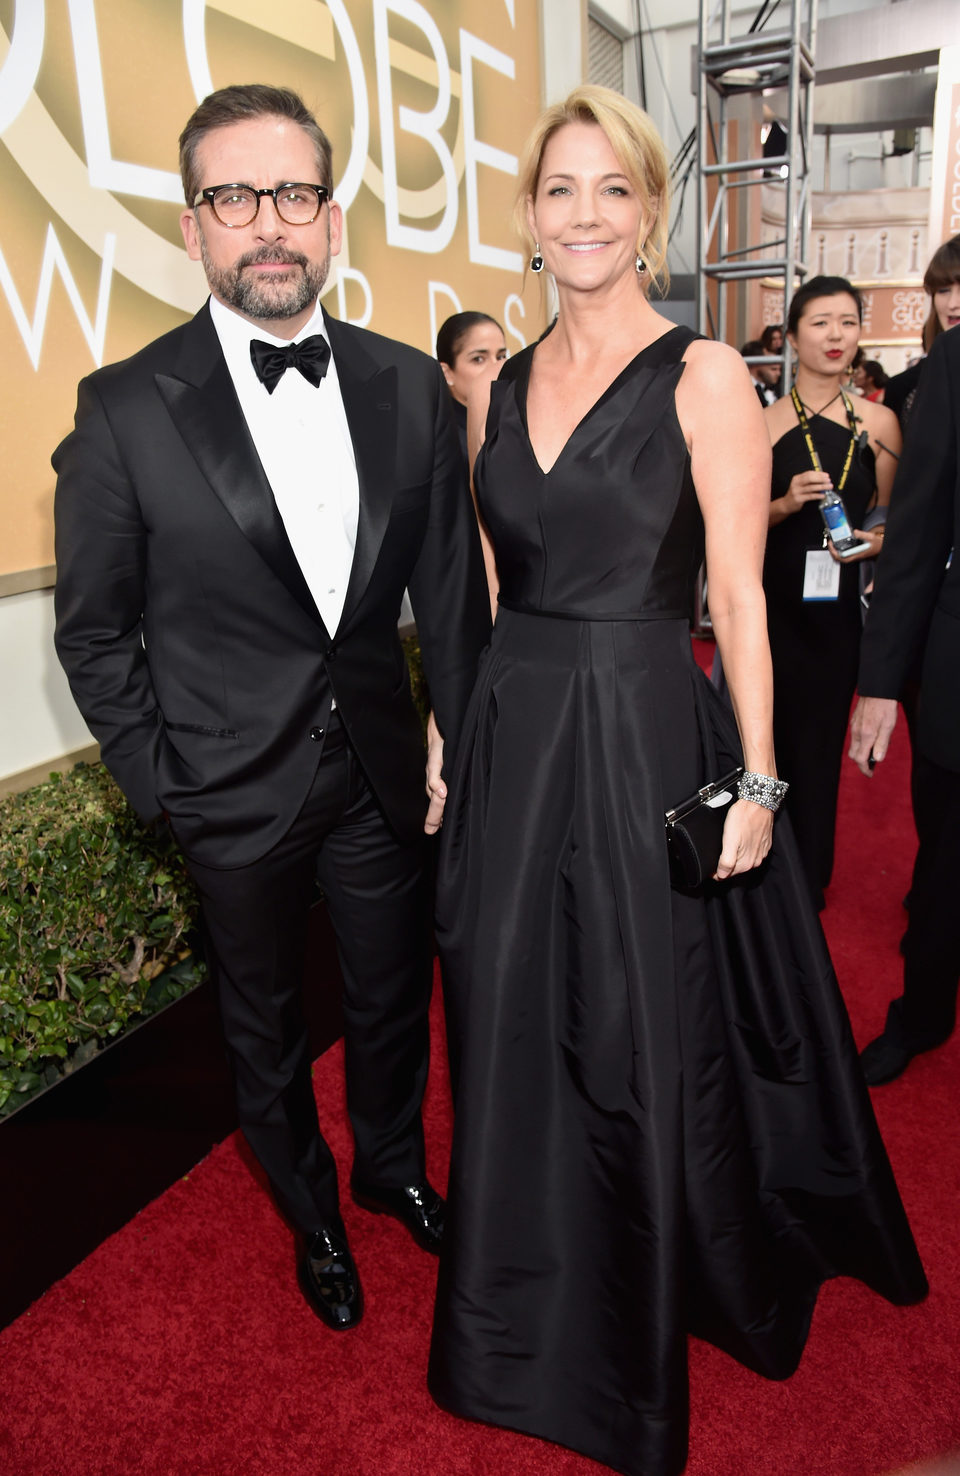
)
(183, 1346)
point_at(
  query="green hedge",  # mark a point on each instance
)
(418, 682)
(96, 916)
(95, 922)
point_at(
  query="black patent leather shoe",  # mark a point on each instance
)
(329, 1281)
(417, 1206)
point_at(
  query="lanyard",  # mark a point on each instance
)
(805, 427)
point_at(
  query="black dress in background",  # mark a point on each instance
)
(815, 644)
(661, 1123)
(460, 421)
(901, 390)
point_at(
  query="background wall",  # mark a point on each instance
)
(426, 104)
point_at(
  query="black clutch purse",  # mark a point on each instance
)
(695, 831)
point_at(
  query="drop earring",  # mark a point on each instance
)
(641, 265)
(536, 260)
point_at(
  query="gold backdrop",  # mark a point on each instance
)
(427, 105)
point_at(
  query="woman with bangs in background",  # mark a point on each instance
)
(942, 281)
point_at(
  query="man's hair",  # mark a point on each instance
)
(752, 350)
(238, 105)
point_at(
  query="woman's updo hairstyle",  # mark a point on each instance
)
(640, 153)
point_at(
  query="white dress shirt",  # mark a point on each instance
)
(303, 441)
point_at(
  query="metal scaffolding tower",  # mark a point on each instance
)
(733, 74)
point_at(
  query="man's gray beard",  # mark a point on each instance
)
(265, 300)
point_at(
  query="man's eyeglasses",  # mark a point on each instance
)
(237, 204)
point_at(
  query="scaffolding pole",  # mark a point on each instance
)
(733, 74)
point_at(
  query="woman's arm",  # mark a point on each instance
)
(478, 403)
(808, 486)
(730, 459)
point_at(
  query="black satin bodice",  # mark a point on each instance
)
(622, 479)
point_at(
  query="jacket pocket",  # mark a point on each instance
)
(202, 729)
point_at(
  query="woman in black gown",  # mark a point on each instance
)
(661, 1125)
(815, 631)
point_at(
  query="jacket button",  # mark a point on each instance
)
(332, 654)
(316, 734)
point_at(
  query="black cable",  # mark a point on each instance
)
(682, 152)
(758, 19)
(680, 196)
(769, 13)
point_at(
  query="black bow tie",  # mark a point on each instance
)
(311, 357)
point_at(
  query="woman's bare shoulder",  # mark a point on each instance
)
(711, 363)
(878, 419)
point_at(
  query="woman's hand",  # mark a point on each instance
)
(747, 836)
(808, 486)
(436, 789)
(874, 538)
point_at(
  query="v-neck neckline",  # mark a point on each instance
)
(523, 386)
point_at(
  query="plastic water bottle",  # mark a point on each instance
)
(835, 520)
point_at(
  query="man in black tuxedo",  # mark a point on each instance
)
(916, 607)
(239, 509)
(765, 377)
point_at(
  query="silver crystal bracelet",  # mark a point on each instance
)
(762, 790)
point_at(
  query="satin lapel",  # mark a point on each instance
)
(204, 407)
(370, 394)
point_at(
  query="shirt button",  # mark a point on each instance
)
(316, 734)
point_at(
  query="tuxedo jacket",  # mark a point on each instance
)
(916, 600)
(193, 647)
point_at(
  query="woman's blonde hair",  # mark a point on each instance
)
(640, 153)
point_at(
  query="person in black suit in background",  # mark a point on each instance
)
(916, 606)
(764, 377)
(239, 509)
(771, 342)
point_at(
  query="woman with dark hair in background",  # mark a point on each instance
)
(870, 380)
(470, 346)
(471, 350)
(942, 281)
(822, 437)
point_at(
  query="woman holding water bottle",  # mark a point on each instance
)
(834, 458)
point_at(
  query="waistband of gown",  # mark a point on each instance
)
(522, 607)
